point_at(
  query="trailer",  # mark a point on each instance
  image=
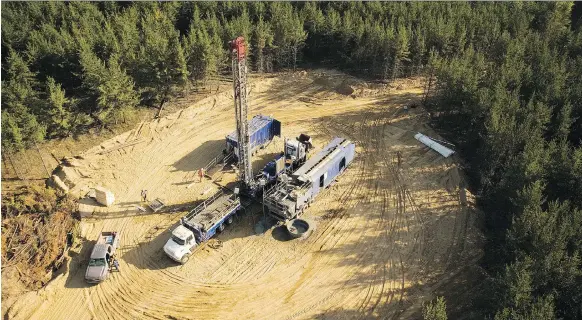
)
(100, 261)
(262, 131)
(291, 195)
(202, 223)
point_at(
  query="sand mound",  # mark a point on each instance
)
(67, 175)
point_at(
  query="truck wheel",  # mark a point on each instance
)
(221, 228)
(229, 220)
(185, 258)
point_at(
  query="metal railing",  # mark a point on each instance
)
(199, 208)
(284, 190)
(221, 158)
(231, 206)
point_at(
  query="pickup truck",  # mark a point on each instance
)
(202, 223)
(98, 268)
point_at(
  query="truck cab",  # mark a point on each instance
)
(296, 151)
(179, 246)
(98, 268)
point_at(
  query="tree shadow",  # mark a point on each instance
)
(78, 265)
(341, 313)
(397, 259)
(281, 234)
(201, 156)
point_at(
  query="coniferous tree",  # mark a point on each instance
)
(401, 51)
(20, 100)
(162, 66)
(110, 89)
(436, 310)
(93, 71)
(263, 39)
(12, 139)
(518, 299)
(314, 24)
(240, 26)
(289, 35)
(59, 106)
(125, 26)
(417, 47)
(117, 96)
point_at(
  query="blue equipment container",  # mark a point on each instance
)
(262, 130)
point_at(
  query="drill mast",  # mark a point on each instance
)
(239, 73)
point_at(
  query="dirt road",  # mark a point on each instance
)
(387, 238)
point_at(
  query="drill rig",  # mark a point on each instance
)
(295, 152)
(239, 74)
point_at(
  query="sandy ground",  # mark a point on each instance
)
(387, 239)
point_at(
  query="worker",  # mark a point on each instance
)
(144, 195)
(70, 239)
(201, 173)
(399, 156)
(115, 265)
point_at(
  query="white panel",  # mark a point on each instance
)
(444, 151)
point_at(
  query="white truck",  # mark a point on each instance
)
(200, 224)
(296, 151)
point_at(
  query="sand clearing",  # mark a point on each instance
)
(386, 237)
